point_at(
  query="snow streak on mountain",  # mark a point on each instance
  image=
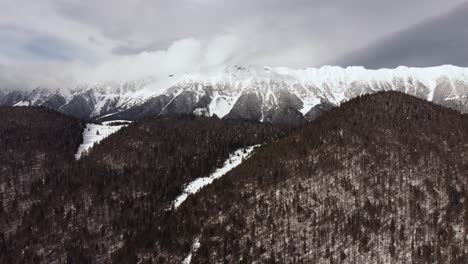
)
(234, 160)
(278, 95)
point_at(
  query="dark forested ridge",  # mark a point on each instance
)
(175, 150)
(116, 195)
(36, 146)
(381, 179)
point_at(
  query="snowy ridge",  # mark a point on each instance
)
(333, 76)
(234, 160)
(312, 85)
(108, 96)
(94, 133)
(216, 91)
(102, 97)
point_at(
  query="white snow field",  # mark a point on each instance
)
(91, 135)
(22, 103)
(234, 160)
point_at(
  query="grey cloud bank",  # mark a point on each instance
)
(84, 41)
(438, 41)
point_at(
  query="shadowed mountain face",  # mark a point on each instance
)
(316, 111)
(10, 99)
(277, 95)
(248, 106)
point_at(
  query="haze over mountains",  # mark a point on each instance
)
(278, 95)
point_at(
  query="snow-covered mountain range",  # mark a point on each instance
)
(257, 93)
(84, 101)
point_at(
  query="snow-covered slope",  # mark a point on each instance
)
(86, 100)
(94, 133)
(234, 160)
(114, 96)
(334, 83)
(286, 95)
(22, 103)
(271, 94)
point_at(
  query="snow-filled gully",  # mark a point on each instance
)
(234, 160)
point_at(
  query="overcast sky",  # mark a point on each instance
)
(60, 42)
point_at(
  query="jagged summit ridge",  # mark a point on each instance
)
(272, 94)
(326, 74)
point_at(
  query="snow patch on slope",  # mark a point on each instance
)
(195, 247)
(221, 105)
(94, 133)
(22, 103)
(234, 160)
(308, 104)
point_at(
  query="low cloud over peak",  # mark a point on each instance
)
(80, 41)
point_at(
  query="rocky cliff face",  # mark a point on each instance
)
(86, 101)
(260, 94)
(294, 96)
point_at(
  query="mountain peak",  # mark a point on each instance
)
(263, 90)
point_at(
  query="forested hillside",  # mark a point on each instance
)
(36, 146)
(176, 150)
(114, 197)
(381, 179)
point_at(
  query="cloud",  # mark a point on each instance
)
(436, 41)
(179, 57)
(132, 48)
(21, 45)
(87, 41)
(185, 55)
(29, 76)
